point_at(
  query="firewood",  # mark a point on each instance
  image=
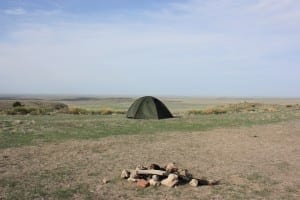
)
(152, 172)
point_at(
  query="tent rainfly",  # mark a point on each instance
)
(148, 108)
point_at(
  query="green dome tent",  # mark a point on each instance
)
(148, 108)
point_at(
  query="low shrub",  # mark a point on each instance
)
(81, 111)
(32, 107)
(122, 112)
(106, 112)
(17, 104)
(77, 111)
(60, 106)
(24, 110)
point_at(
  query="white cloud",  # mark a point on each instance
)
(15, 11)
(32, 13)
(46, 12)
(274, 5)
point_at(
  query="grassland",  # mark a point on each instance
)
(18, 130)
(250, 146)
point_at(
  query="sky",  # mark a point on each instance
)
(230, 48)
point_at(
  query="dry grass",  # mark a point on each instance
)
(33, 107)
(261, 162)
(244, 107)
(77, 111)
(207, 111)
(108, 111)
(81, 111)
(38, 107)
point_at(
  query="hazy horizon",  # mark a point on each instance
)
(208, 48)
(139, 95)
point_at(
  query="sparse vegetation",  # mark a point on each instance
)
(106, 112)
(31, 107)
(74, 169)
(59, 127)
(64, 153)
(208, 111)
(81, 111)
(244, 107)
(77, 111)
(46, 108)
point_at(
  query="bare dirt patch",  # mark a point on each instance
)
(261, 162)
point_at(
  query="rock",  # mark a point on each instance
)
(154, 166)
(132, 179)
(213, 182)
(134, 174)
(171, 181)
(154, 182)
(105, 181)
(155, 177)
(142, 183)
(184, 175)
(194, 182)
(140, 167)
(125, 174)
(171, 167)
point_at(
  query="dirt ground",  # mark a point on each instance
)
(261, 162)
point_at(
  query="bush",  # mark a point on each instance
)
(77, 111)
(60, 106)
(17, 104)
(23, 110)
(106, 112)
